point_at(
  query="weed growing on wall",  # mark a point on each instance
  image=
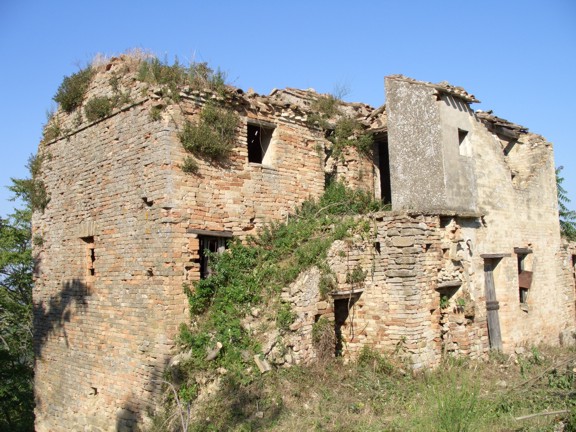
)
(72, 91)
(97, 108)
(342, 131)
(213, 135)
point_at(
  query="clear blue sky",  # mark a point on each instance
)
(517, 57)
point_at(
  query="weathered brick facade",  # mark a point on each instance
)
(123, 231)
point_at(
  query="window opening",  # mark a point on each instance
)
(464, 143)
(384, 168)
(90, 256)
(259, 138)
(210, 245)
(524, 275)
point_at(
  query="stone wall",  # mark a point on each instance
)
(408, 263)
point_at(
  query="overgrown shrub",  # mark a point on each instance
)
(357, 275)
(72, 91)
(97, 108)
(213, 136)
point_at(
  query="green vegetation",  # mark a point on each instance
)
(32, 190)
(16, 351)
(324, 339)
(375, 393)
(97, 108)
(567, 217)
(212, 137)
(72, 91)
(357, 275)
(342, 131)
(253, 274)
(172, 77)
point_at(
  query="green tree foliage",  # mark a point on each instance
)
(567, 216)
(16, 351)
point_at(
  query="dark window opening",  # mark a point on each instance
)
(210, 245)
(259, 138)
(524, 278)
(384, 168)
(90, 255)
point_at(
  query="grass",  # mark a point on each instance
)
(375, 394)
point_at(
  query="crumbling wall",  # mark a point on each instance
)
(407, 263)
(451, 161)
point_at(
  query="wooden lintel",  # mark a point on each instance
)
(523, 251)
(450, 284)
(495, 255)
(346, 294)
(226, 234)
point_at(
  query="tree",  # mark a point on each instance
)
(16, 349)
(567, 217)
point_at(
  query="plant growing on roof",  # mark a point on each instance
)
(345, 131)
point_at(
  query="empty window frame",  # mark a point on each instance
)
(464, 143)
(210, 245)
(259, 137)
(524, 275)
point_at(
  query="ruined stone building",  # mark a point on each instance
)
(469, 258)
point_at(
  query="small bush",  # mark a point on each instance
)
(51, 132)
(97, 108)
(190, 166)
(327, 284)
(370, 358)
(356, 276)
(213, 136)
(71, 92)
